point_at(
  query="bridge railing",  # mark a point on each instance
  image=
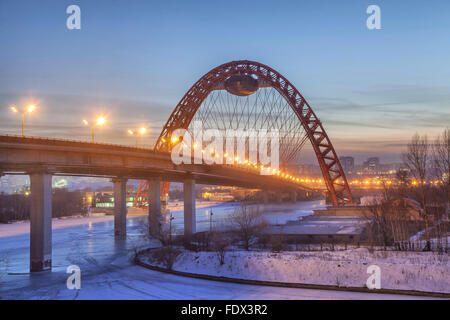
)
(31, 139)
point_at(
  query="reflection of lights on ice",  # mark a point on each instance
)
(90, 225)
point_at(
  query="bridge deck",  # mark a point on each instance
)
(68, 157)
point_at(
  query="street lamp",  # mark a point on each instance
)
(170, 228)
(210, 221)
(141, 132)
(99, 122)
(28, 109)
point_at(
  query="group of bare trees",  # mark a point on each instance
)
(242, 228)
(417, 160)
(426, 180)
(15, 207)
(394, 221)
(248, 223)
(427, 161)
(441, 164)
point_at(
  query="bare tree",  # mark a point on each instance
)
(380, 230)
(441, 161)
(441, 165)
(249, 223)
(403, 183)
(157, 227)
(416, 159)
(220, 243)
(165, 256)
(393, 219)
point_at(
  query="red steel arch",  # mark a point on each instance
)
(330, 166)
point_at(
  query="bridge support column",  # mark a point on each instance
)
(294, 196)
(154, 204)
(120, 207)
(41, 222)
(265, 197)
(189, 207)
(279, 196)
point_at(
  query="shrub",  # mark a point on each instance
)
(166, 256)
(220, 244)
(276, 243)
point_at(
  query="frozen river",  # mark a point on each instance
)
(108, 273)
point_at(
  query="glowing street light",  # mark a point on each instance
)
(99, 122)
(141, 132)
(28, 109)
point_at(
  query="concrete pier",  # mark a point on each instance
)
(265, 197)
(41, 222)
(189, 207)
(293, 196)
(154, 205)
(120, 207)
(278, 196)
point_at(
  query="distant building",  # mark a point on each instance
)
(305, 170)
(348, 164)
(371, 164)
(105, 199)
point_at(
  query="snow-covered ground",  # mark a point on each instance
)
(423, 271)
(108, 273)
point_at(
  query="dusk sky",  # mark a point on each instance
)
(134, 60)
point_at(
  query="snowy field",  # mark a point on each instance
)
(421, 271)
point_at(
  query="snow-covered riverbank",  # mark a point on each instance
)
(422, 271)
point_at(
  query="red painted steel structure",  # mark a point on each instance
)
(181, 117)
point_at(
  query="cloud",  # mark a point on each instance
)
(380, 118)
(405, 108)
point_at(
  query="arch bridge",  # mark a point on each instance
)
(251, 96)
(237, 95)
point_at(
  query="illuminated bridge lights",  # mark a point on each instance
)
(251, 166)
(254, 167)
(390, 182)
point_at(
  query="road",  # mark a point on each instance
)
(108, 273)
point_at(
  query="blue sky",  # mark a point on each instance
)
(134, 60)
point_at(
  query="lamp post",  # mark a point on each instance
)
(99, 122)
(28, 109)
(170, 228)
(210, 221)
(136, 133)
